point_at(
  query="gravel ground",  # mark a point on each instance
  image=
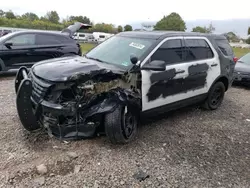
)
(185, 148)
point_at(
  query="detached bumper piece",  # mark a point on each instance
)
(23, 87)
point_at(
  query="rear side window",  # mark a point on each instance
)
(225, 47)
(197, 49)
(171, 52)
(45, 39)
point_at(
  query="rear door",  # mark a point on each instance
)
(191, 67)
(48, 46)
(204, 63)
(18, 53)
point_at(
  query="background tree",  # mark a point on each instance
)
(210, 28)
(200, 29)
(248, 32)
(30, 16)
(82, 19)
(248, 40)
(232, 37)
(52, 16)
(10, 15)
(172, 22)
(2, 13)
(103, 27)
(128, 28)
(43, 18)
(119, 29)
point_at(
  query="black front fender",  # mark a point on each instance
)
(106, 106)
(109, 104)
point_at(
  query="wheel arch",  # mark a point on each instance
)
(224, 80)
(2, 65)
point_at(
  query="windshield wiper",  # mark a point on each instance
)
(96, 59)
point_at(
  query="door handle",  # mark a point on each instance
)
(28, 53)
(179, 71)
(214, 65)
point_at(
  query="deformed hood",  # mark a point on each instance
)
(69, 68)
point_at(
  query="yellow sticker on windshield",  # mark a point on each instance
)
(136, 45)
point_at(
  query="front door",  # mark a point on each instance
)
(189, 71)
(18, 52)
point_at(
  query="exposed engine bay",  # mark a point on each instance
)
(83, 103)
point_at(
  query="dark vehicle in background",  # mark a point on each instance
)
(242, 71)
(127, 76)
(4, 32)
(24, 48)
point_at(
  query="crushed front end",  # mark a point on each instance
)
(72, 109)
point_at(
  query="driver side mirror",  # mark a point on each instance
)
(156, 65)
(8, 44)
(133, 59)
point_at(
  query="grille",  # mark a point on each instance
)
(40, 88)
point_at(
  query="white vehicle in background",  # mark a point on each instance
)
(79, 36)
(83, 37)
(96, 37)
(100, 36)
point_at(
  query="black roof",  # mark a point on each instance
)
(35, 32)
(164, 34)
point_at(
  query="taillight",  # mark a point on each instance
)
(235, 59)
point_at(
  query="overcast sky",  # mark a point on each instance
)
(127, 11)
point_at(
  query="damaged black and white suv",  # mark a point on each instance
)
(130, 75)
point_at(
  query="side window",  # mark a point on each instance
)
(171, 52)
(225, 47)
(46, 39)
(197, 49)
(22, 40)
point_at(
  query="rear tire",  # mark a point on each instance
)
(215, 96)
(121, 125)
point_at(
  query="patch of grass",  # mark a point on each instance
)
(86, 47)
(239, 52)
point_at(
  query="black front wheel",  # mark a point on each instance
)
(121, 125)
(215, 96)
